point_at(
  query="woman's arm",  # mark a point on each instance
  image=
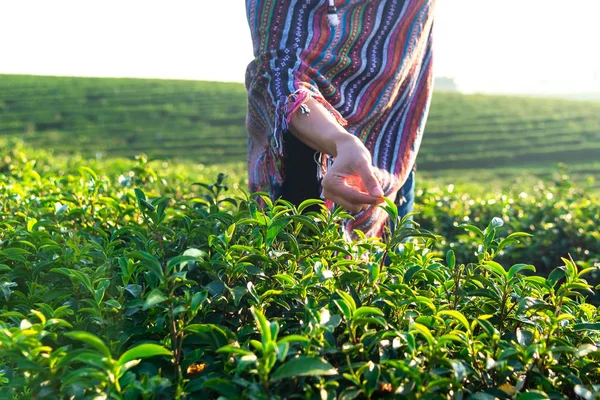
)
(351, 181)
(319, 129)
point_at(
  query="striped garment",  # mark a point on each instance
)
(373, 72)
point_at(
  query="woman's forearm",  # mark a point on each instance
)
(351, 181)
(319, 129)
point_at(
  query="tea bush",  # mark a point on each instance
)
(129, 282)
(563, 218)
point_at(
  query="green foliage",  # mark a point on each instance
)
(562, 217)
(203, 121)
(154, 287)
(468, 137)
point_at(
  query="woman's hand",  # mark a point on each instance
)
(351, 181)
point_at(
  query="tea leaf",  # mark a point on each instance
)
(143, 351)
(587, 327)
(496, 268)
(155, 297)
(92, 340)
(304, 366)
(457, 316)
(517, 268)
(274, 228)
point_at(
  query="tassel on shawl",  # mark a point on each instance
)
(332, 16)
(284, 109)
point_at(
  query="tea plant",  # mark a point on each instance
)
(152, 287)
(562, 217)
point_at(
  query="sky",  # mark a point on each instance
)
(493, 46)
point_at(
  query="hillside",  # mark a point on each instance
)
(497, 136)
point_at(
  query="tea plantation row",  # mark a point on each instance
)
(128, 280)
(204, 122)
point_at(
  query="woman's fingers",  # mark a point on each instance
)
(370, 180)
(353, 208)
(338, 187)
(352, 181)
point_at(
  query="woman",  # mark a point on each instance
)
(350, 80)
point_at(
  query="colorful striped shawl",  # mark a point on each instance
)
(373, 72)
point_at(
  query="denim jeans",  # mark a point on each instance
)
(406, 196)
